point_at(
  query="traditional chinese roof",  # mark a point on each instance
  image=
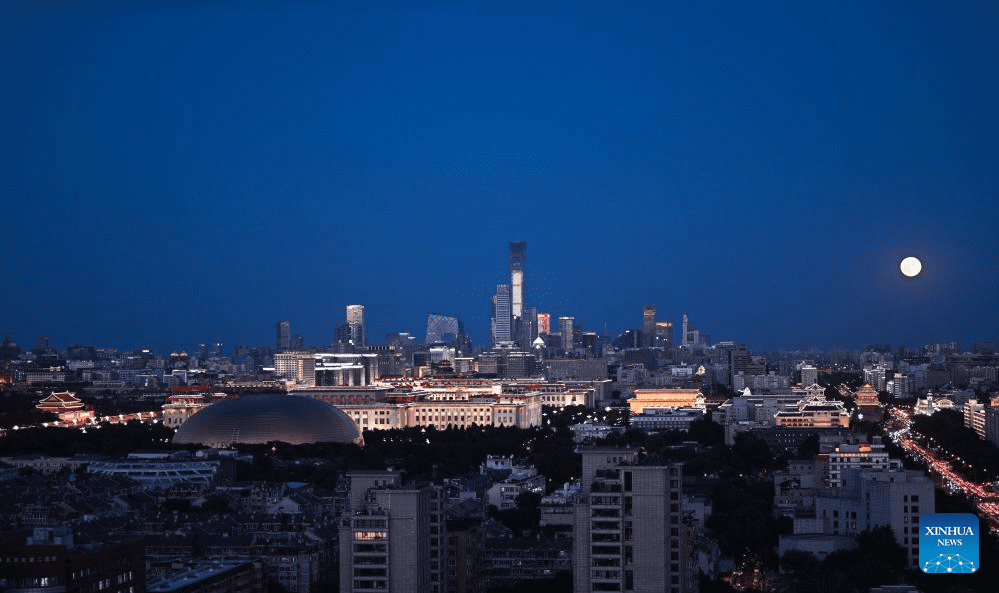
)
(867, 397)
(60, 401)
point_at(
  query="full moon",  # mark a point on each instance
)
(911, 266)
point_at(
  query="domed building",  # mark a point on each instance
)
(255, 419)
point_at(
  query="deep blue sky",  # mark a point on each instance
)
(177, 172)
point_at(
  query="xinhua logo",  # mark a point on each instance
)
(948, 542)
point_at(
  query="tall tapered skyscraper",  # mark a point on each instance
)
(518, 251)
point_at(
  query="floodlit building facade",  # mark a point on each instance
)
(665, 398)
(460, 411)
(296, 367)
(814, 412)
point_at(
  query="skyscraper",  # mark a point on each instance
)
(544, 323)
(283, 336)
(528, 330)
(501, 318)
(355, 319)
(444, 330)
(565, 327)
(649, 326)
(664, 334)
(518, 251)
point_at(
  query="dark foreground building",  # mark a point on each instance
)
(47, 560)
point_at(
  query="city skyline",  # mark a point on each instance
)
(183, 172)
(290, 331)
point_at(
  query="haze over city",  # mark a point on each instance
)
(185, 172)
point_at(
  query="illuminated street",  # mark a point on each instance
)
(981, 494)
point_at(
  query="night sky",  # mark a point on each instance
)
(179, 172)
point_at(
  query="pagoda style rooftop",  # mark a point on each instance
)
(59, 402)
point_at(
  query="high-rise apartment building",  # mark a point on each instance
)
(809, 375)
(629, 531)
(355, 319)
(518, 251)
(566, 328)
(283, 336)
(649, 326)
(501, 318)
(393, 539)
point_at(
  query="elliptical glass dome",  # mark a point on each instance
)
(257, 419)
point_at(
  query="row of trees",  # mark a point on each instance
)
(948, 432)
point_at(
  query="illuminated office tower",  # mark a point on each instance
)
(355, 319)
(664, 334)
(544, 323)
(518, 251)
(565, 327)
(501, 318)
(649, 326)
(283, 336)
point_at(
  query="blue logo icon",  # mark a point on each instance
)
(948, 542)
